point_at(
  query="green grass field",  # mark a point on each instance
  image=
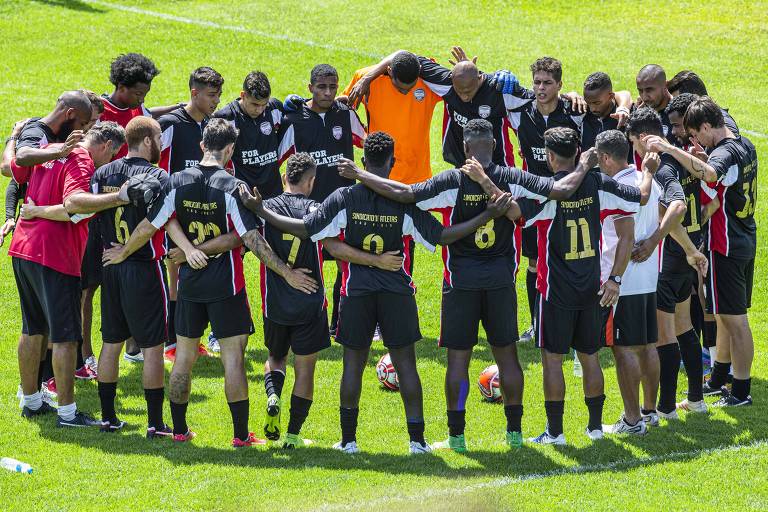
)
(715, 461)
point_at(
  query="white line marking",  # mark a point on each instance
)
(573, 470)
(754, 134)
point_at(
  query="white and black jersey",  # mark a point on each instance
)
(181, 137)
(594, 126)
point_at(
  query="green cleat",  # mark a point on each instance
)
(272, 423)
(455, 443)
(515, 439)
(293, 441)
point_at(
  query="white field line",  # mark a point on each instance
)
(379, 503)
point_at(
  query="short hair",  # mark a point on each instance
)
(322, 71)
(138, 128)
(256, 84)
(405, 67)
(218, 134)
(548, 65)
(297, 166)
(563, 142)
(687, 82)
(598, 81)
(613, 143)
(680, 103)
(703, 110)
(652, 72)
(78, 100)
(205, 77)
(107, 131)
(378, 147)
(478, 129)
(131, 68)
(95, 99)
(644, 120)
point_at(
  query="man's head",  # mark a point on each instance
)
(323, 85)
(686, 82)
(73, 111)
(598, 93)
(704, 121)
(219, 139)
(562, 145)
(466, 80)
(547, 79)
(132, 76)
(103, 141)
(652, 86)
(404, 71)
(643, 121)
(97, 108)
(379, 153)
(143, 136)
(205, 89)
(255, 94)
(479, 141)
(300, 173)
(612, 149)
(676, 112)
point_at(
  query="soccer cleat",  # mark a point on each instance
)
(455, 443)
(349, 448)
(711, 391)
(651, 419)
(623, 427)
(594, 435)
(20, 396)
(170, 353)
(546, 438)
(687, 405)
(92, 364)
(514, 439)
(138, 357)
(731, 401)
(183, 438)
(272, 423)
(26, 412)
(416, 448)
(213, 344)
(48, 396)
(668, 415)
(50, 386)
(293, 441)
(251, 441)
(202, 351)
(528, 335)
(164, 431)
(81, 419)
(84, 373)
(377, 334)
(108, 426)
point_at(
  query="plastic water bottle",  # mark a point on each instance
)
(15, 465)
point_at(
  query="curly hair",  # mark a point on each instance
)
(256, 85)
(548, 65)
(644, 120)
(478, 129)
(132, 68)
(297, 166)
(680, 103)
(564, 142)
(378, 147)
(405, 67)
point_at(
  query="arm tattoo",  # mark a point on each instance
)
(256, 243)
(179, 386)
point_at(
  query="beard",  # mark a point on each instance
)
(155, 154)
(66, 128)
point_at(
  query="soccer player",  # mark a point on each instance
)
(570, 290)
(651, 83)
(47, 254)
(205, 202)
(371, 296)
(688, 82)
(731, 242)
(608, 110)
(182, 134)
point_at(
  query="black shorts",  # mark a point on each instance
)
(530, 242)
(228, 317)
(396, 315)
(728, 285)
(50, 302)
(632, 322)
(91, 268)
(674, 288)
(134, 303)
(558, 329)
(463, 310)
(302, 339)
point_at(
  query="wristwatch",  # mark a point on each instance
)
(615, 279)
(9, 139)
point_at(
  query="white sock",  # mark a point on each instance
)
(33, 401)
(713, 355)
(67, 412)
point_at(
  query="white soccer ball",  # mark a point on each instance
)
(385, 372)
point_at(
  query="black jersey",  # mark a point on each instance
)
(730, 122)
(116, 224)
(180, 140)
(732, 228)
(280, 302)
(592, 126)
(372, 223)
(327, 137)
(36, 134)
(488, 258)
(207, 204)
(255, 158)
(568, 268)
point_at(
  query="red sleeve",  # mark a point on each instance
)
(20, 174)
(78, 170)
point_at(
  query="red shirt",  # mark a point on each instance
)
(54, 244)
(121, 116)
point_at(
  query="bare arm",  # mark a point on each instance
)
(564, 188)
(140, 236)
(29, 156)
(609, 290)
(649, 166)
(297, 278)
(390, 189)
(253, 202)
(497, 207)
(694, 165)
(192, 255)
(709, 209)
(215, 246)
(673, 216)
(360, 89)
(390, 260)
(57, 212)
(693, 256)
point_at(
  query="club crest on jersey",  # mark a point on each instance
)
(419, 94)
(266, 128)
(336, 132)
(484, 111)
(665, 128)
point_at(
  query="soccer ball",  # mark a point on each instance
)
(386, 373)
(488, 382)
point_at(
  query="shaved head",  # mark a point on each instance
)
(77, 100)
(651, 84)
(466, 80)
(652, 73)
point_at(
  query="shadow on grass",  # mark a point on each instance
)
(74, 5)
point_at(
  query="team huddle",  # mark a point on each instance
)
(635, 218)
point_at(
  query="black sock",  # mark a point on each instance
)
(348, 418)
(336, 299)
(40, 370)
(47, 368)
(80, 361)
(171, 323)
(107, 392)
(741, 388)
(646, 412)
(555, 410)
(154, 398)
(595, 407)
(514, 414)
(669, 366)
(299, 412)
(416, 431)
(456, 422)
(273, 382)
(530, 288)
(239, 412)
(179, 417)
(709, 333)
(690, 351)
(720, 372)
